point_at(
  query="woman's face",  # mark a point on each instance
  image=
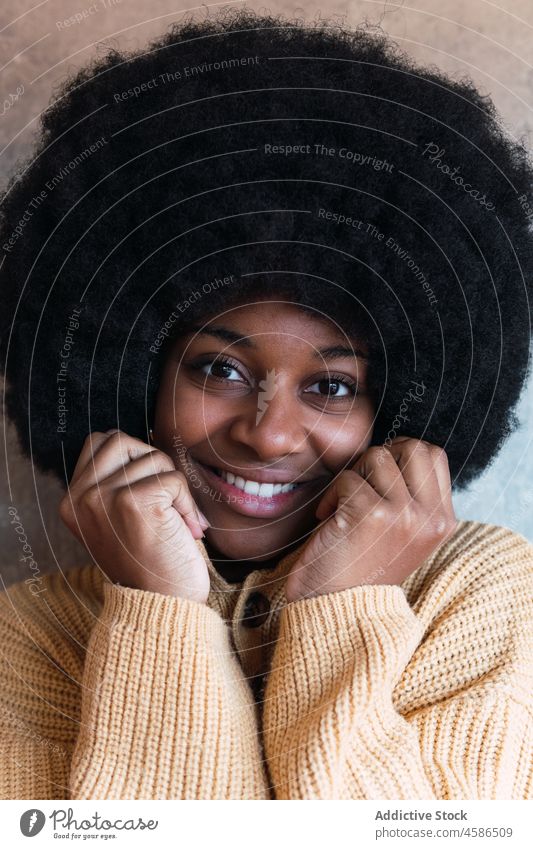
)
(260, 408)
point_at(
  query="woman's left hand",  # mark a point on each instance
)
(382, 519)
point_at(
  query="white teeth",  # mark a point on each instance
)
(264, 490)
(287, 487)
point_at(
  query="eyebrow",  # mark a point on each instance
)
(332, 352)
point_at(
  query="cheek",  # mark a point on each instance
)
(183, 409)
(346, 439)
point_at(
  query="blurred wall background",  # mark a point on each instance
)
(488, 42)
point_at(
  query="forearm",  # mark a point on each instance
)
(166, 711)
(330, 728)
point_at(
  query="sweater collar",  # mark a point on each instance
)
(255, 576)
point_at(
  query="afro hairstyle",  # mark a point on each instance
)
(244, 156)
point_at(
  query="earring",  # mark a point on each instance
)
(151, 433)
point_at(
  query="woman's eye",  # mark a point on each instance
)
(332, 388)
(222, 370)
(218, 369)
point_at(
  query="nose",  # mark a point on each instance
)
(272, 426)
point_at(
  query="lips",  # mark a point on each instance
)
(264, 489)
(250, 503)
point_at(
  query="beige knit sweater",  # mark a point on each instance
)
(418, 691)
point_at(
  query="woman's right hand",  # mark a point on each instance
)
(135, 514)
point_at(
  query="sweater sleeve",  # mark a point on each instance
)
(38, 698)
(330, 727)
(166, 710)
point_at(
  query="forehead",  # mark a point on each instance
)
(268, 318)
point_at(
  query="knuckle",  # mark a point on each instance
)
(387, 456)
(116, 437)
(440, 526)
(161, 459)
(91, 499)
(436, 527)
(181, 477)
(159, 512)
(124, 500)
(119, 438)
(408, 448)
(374, 451)
(65, 509)
(406, 520)
(377, 455)
(352, 476)
(377, 513)
(349, 481)
(416, 451)
(91, 436)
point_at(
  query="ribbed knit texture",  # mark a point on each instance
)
(418, 691)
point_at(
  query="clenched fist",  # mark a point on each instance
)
(380, 520)
(134, 513)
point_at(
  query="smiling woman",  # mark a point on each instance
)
(261, 417)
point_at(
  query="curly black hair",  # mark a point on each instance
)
(246, 155)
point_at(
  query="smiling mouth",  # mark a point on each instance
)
(257, 488)
(258, 499)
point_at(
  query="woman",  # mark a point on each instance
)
(305, 328)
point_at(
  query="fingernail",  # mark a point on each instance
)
(203, 519)
(113, 430)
